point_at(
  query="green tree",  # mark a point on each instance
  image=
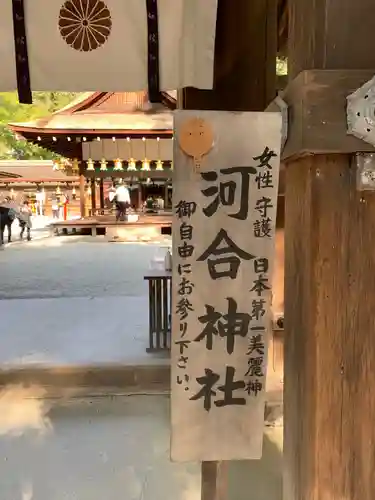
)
(44, 103)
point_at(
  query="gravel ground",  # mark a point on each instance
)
(74, 267)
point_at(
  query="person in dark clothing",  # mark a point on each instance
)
(25, 220)
(7, 216)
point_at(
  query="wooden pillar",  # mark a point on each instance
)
(93, 196)
(101, 193)
(140, 201)
(82, 195)
(214, 480)
(245, 59)
(244, 80)
(329, 397)
(166, 188)
(330, 34)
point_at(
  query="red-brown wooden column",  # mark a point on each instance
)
(329, 400)
(93, 196)
(101, 194)
(82, 195)
(140, 200)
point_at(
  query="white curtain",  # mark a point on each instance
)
(101, 45)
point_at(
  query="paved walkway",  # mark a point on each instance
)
(93, 449)
(111, 448)
(71, 301)
(83, 301)
(76, 331)
(79, 301)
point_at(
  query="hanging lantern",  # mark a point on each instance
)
(58, 190)
(146, 165)
(75, 165)
(146, 162)
(89, 190)
(159, 165)
(132, 166)
(103, 165)
(90, 164)
(56, 165)
(73, 191)
(118, 165)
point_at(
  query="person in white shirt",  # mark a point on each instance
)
(55, 209)
(122, 198)
(111, 194)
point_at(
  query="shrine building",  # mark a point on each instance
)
(109, 137)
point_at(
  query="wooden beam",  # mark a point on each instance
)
(329, 382)
(82, 194)
(281, 82)
(329, 318)
(93, 195)
(282, 27)
(245, 58)
(101, 193)
(317, 102)
(214, 480)
(331, 34)
(138, 174)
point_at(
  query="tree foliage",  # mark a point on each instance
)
(282, 66)
(44, 103)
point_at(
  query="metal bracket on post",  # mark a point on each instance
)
(360, 115)
(361, 112)
(279, 105)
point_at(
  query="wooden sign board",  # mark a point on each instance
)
(223, 253)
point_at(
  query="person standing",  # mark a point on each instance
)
(55, 208)
(8, 213)
(122, 198)
(25, 220)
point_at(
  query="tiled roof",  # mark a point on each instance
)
(37, 171)
(125, 111)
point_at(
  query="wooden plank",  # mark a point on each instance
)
(317, 103)
(245, 58)
(82, 195)
(158, 313)
(214, 480)
(101, 194)
(165, 314)
(93, 195)
(245, 55)
(330, 346)
(132, 176)
(151, 301)
(336, 35)
(214, 282)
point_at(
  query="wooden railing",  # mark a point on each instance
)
(159, 285)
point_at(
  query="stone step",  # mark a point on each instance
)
(107, 380)
(89, 380)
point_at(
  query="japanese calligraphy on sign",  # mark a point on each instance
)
(223, 252)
